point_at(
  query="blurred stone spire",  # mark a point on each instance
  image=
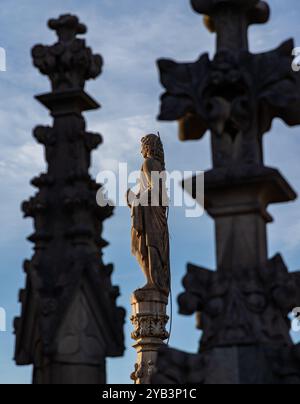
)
(242, 307)
(69, 321)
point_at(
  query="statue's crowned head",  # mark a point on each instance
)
(152, 147)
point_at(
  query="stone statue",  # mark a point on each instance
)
(149, 209)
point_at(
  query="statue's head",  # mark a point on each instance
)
(152, 147)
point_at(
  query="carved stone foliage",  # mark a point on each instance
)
(230, 93)
(243, 306)
(69, 62)
(150, 325)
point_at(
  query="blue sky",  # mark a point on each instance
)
(130, 35)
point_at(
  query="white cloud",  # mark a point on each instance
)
(121, 141)
(21, 162)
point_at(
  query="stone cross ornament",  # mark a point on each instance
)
(237, 94)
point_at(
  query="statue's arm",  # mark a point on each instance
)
(130, 197)
(153, 172)
(149, 168)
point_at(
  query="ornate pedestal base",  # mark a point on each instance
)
(149, 318)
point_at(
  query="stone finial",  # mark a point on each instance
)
(67, 26)
(69, 63)
(70, 321)
(258, 12)
(230, 19)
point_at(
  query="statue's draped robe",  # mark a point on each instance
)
(150, 234)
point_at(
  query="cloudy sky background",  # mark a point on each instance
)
(130, 35)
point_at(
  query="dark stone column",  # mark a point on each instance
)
(242, 307)
(70, 322)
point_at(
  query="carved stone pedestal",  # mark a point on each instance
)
(149, 319)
